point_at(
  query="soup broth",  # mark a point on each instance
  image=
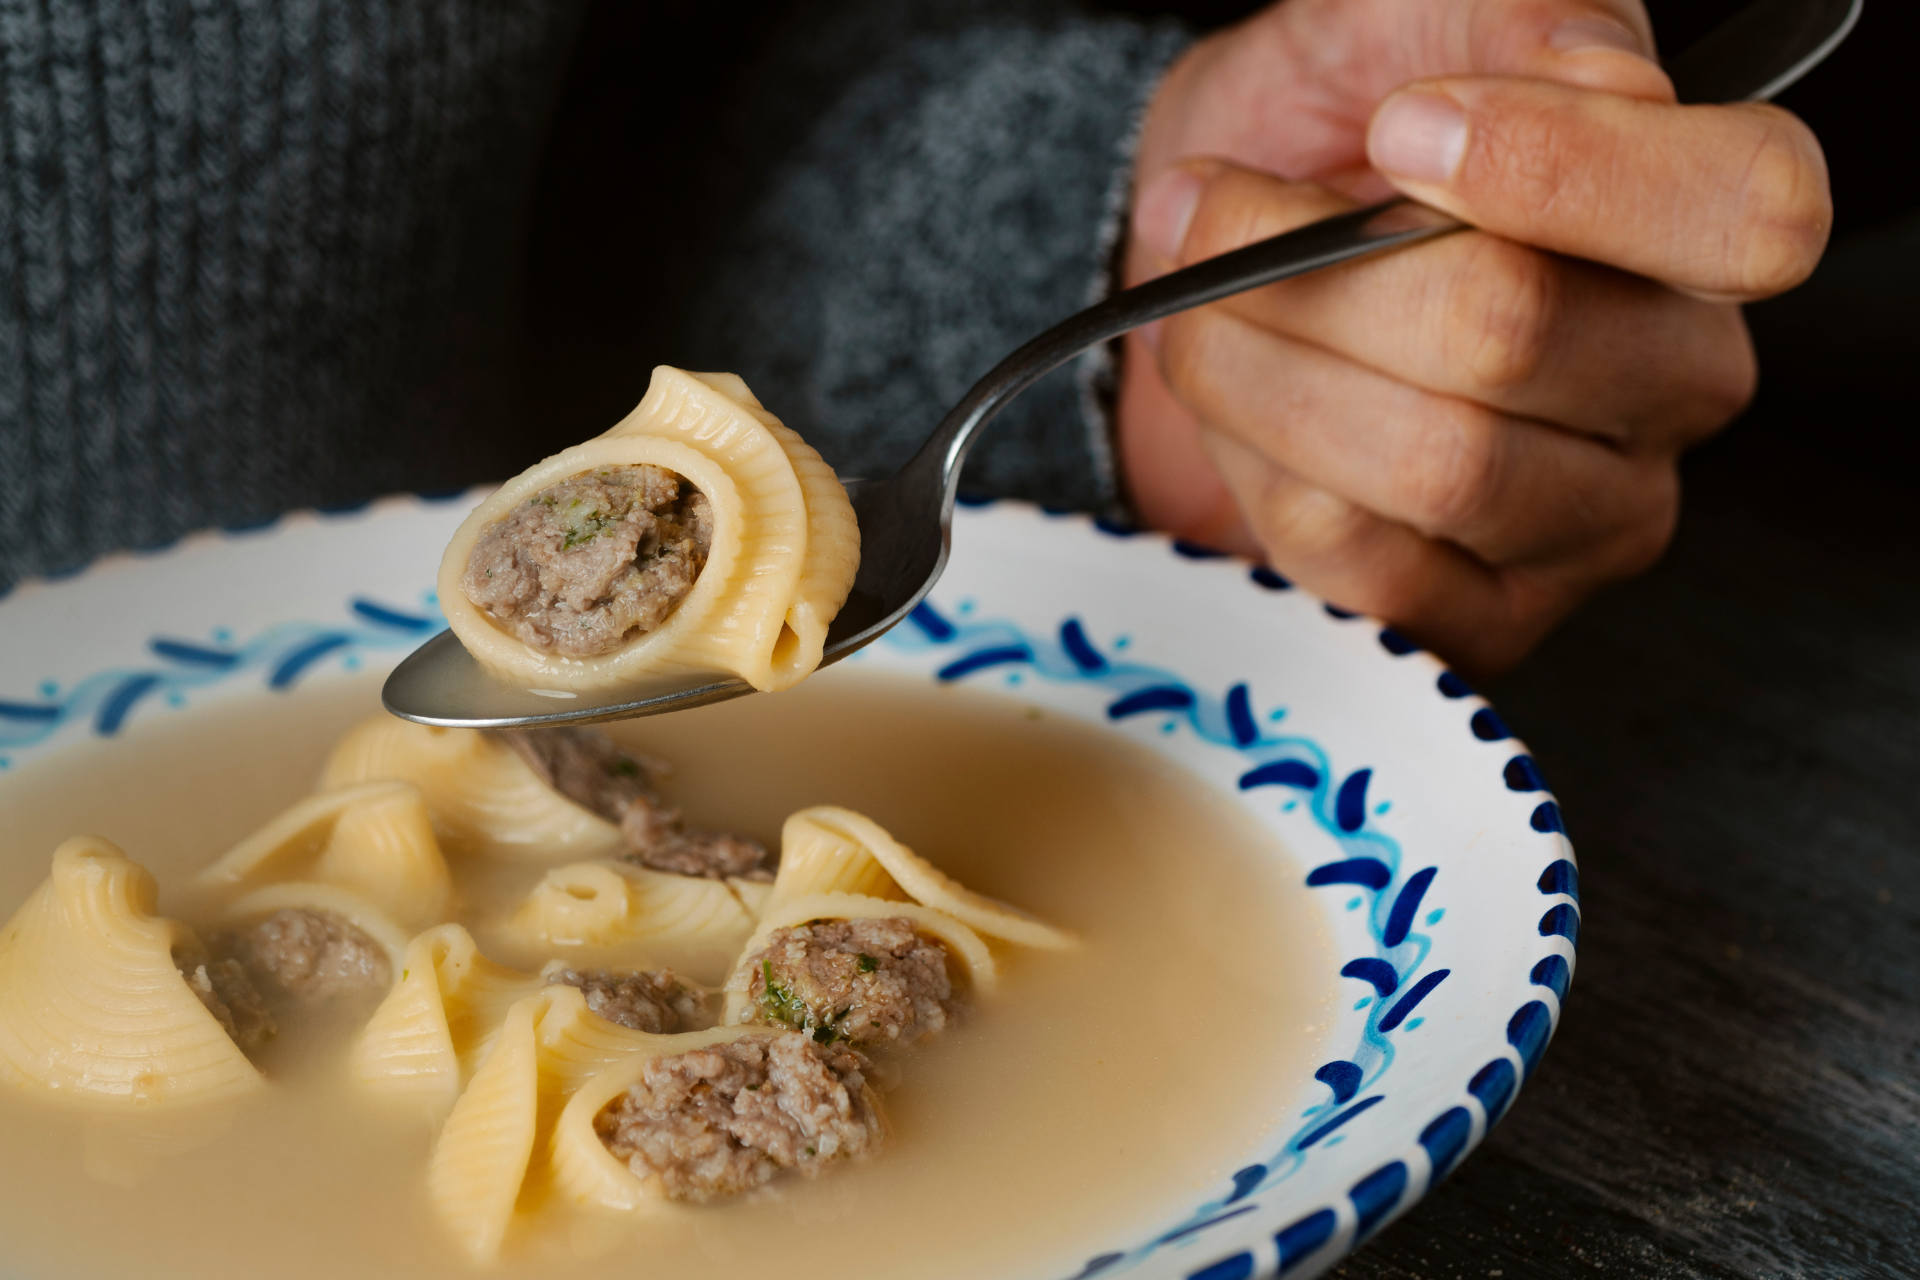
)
(1099, 1091)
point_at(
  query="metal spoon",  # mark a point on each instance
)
(906, 519)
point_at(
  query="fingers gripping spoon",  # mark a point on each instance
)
(905, 519)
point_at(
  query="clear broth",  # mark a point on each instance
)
(1102, 1091)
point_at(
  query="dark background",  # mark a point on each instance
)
(1735, 738)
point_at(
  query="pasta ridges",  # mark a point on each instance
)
(93, 1005)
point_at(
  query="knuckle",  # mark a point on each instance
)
(1451, 476)
(1505, 308)
(1647, 530)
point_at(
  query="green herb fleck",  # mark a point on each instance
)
(781, 1004)
(626, 768)
(809, 1150)
(867, 963)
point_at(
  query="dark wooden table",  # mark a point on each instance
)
(1735, 740)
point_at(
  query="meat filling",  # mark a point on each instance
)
(590, 769)
(714, 1122)
(866, 982)
(653, 1001)
(586, 564)
(309, 954)
(229, 995)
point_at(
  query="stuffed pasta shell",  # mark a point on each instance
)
(104, 1002)
(698, 535)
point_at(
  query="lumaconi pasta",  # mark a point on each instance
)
(493, 1151)
(581, 1171)
(93, 1003)
(683, 921)
(437, 1023)
(374, 840)
(827, 849)
(784, 550)
(962, 943)
(480, 793)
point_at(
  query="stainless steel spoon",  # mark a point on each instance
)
(906, 519)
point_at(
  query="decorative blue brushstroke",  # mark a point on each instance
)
(1415, 994)
(1265, 577)
(1522, 774)
(1493, 1085)
(1405, 906)
(1528, 1031)
(1370, 872)
(1301, 1240)
(1281, 773)
(1396, 644)
(193, 654)
(1384, 977)
(1238, 1267)
(981, 659)
(106, 700)
(935, 627)
(381, 615)
(1563, 920)
(1561, 877)
(1375, 1196)
(1546, 819)
(1446, 1140)
(1167, 697)
(1073, 638)
(1181, 1232)
(1553, 974)
(1241, 725)
(1326, 1127)
(1341, 1077)
(1350, 805)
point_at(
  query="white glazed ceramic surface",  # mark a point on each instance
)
(1420, 825)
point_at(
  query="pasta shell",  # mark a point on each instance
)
(492, 1154)
(374, 839)
(481, 794)
(963, 944)
(784, 551)
(831, 842)
(686, 922)
(582, 1172)
(437, 1023)
(92, 1005)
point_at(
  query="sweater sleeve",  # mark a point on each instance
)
(959, 193)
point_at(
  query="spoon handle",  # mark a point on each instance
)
(1755, 54)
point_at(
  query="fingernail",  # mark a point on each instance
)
(1418, 135)
(1583, 34)
(1164, 211)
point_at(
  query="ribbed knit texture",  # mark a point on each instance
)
(254, 254)
(259, 254)
(954, 200)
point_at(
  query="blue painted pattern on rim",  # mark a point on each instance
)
(1493, 1085)
(108, 700)
(1300, 1240)
(1377, 1195)
(1446, 1140)
(1561, 877)
(1343, 1078)
(1553, 974)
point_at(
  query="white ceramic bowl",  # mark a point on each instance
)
(1427, 837)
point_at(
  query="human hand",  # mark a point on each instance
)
(1469, 437)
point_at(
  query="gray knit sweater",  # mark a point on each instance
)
(257, 254)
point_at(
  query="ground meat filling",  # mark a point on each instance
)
(590, 769)
(654, 1001)
(714, 1122)
(309, 954)
(585, 565)
(865, 982)
(229, 995)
